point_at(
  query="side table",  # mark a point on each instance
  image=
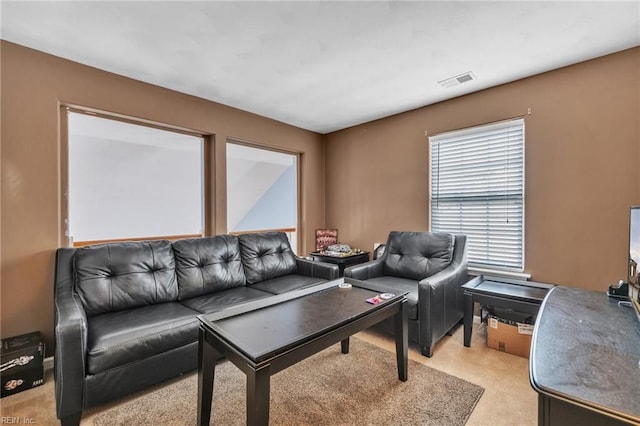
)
(341, 261)
(519, 295)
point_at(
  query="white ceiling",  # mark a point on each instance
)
(323, 66)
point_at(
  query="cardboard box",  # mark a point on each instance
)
(22, 363)
(513, 338)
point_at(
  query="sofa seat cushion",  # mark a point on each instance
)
(287, 283)
(397, 285)
(122, 337)
(219, 300)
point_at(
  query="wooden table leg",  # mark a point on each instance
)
(402, 341)
(207, 356)
(258, 388)
(468, 318)
(345, 346)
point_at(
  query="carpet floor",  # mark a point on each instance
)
(329, 388)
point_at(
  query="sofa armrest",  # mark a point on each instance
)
(315, 269)
(70, 339)
(365, 271)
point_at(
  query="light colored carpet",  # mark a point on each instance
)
(329, 388)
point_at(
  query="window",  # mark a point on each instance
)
(477, 189)
(129, 181)
(262, 191)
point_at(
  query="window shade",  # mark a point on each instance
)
(129, 180)
(477, 189)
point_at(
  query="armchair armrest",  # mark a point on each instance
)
(70, 339)
(314, 269)
(440, 297)
(453, 275)
(365, 271)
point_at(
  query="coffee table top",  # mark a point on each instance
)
(513, 289)
(267, 327)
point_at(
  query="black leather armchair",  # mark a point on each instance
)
(432, 267)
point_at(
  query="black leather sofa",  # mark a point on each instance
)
(432, 267)
(125, 313)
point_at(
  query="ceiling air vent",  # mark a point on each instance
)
(459, 79)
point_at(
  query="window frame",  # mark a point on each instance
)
(484, 267)
(64, 239)
(295, 236)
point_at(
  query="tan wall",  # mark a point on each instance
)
(32, 86)
(582, 153)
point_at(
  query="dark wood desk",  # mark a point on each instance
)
(264, 337)
(341, 261)
(585, 360)
(519, 295)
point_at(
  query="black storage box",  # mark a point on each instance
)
(21, 380)
(508, 316)
(22, 363)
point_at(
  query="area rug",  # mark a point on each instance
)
(329, 388)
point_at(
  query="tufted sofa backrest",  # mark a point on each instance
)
(117, 276)
(206, 265)
(417, 255)
(266, 255)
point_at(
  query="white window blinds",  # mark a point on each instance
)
(477, 189)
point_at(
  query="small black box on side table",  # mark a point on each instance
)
(22, 363)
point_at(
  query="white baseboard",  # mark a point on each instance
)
(48, 363)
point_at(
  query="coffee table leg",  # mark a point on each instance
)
(258, 384)
(207, 356)
(402, 341)
(468, 318)
(345, 346)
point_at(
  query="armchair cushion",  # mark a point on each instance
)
(114, 277)
(417, 255)
(266, 255)
(206, 265)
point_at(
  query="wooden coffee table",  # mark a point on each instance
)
(264, 337)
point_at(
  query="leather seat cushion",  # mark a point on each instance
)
(418, 255)
(122, 337)
(118, 276)
(287, 283)
(266, 255)
(205, 265)
(397, 285)
(223, 299)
